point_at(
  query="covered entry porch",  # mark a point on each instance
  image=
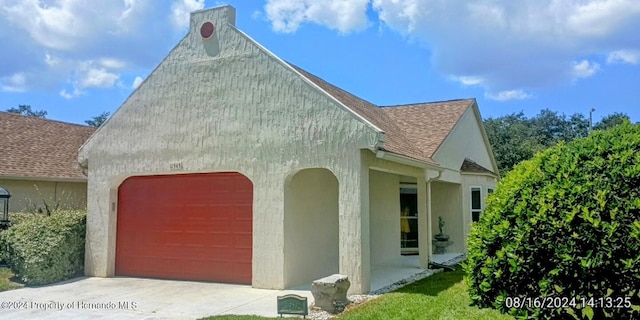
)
(406, 267)
(406, 206)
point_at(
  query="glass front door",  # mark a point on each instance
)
(408, 219)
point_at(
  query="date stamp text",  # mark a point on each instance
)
(555, 302)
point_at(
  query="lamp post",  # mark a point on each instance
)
(591, 119)
(4, 206)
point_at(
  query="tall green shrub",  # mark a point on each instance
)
(45, 249)
(564, 225)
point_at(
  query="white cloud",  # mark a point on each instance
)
(67, 25)
(54, 27)
(585, 69)
(86, 43)
(70, 95)
(403, 15)
(469, 80)
(181, 9)
(136, 82)
(112, 63)
(97, 78)
(508, 95)
(257, 15)
(15, 83)
(624, 56)
(524, 44)
(51, 61)
(601, 18)
(342, 15)
(86, 75)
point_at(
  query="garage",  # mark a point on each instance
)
(186, 227)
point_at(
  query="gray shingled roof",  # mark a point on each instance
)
(427, 125)
(469, 165)
(415, 131)
(32, 147)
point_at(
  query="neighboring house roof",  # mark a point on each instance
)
(427, 125)
(415, 131)
(471, 166)
(32, 147)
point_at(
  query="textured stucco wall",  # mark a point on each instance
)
(242, 111)
(464, 141)
(446, 200)
(311, 227)
(30, 195)
(384, 199)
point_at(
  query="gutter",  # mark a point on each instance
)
(381, 154)
(84, 166)
(492, 175)
(47, 179)
(429, 179)
(379, 143)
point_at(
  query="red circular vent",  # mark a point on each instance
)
(207, 30)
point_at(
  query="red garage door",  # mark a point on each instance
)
(187, 227)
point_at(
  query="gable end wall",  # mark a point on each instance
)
(241, 111)
(464, 141)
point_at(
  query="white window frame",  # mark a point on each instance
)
(472, 210)
(409, 188)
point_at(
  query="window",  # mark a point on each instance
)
(489, 191)
(476, 203)
(408, 218)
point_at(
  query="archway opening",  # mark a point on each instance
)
(311, 238)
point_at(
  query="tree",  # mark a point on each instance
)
(549, 127)
(611, 121)
(25, 110)
(579, 126)
(98, 120)
(513, 138)
(563, 224)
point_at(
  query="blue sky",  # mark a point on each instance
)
(78, 58)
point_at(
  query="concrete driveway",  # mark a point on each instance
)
(135, 298)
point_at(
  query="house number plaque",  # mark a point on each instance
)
(293, 304)
(175, 166)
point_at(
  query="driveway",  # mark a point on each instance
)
(135, 298)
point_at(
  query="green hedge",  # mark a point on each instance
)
(19, 217)
(45, 249)
(563, 225)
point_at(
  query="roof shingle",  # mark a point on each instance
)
(427, 125)
(469, 165)
(32, 147)
(395, 139)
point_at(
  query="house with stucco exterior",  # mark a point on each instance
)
(228, 164)
(38, 163)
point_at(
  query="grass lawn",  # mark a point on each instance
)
(6, 277)
(441, 296)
